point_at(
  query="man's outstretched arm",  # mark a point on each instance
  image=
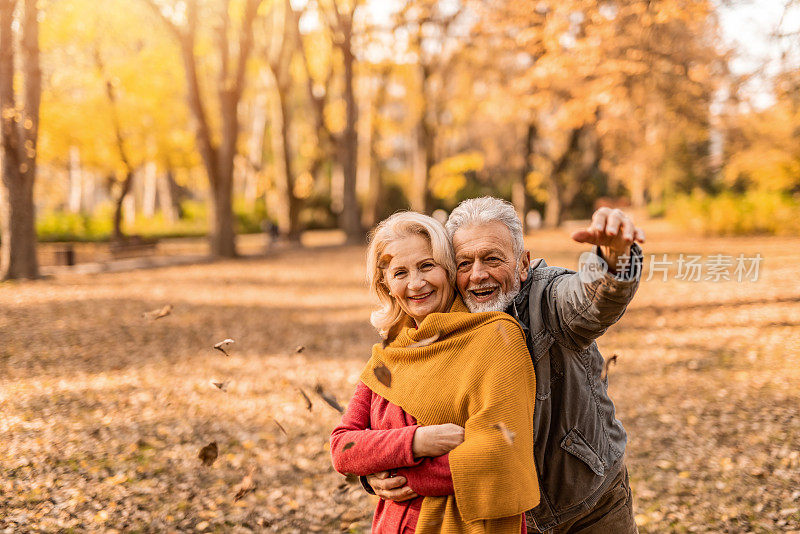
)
(579, 307)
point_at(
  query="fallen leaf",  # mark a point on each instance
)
(348, 446)
(507, 434)
(221, 345)
(209, 453)
(280, 426)
(159, 313)
(609, 361)
(220, 385)
(309, 404)
(328, 398)
(299, 349)
(383, 375)
(245, 486)
(425, 342)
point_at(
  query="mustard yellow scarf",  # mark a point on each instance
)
(474, 370)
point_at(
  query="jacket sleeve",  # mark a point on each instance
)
(431, 478)
(577, 309)
(360, 450)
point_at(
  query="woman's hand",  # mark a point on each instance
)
(436, 440)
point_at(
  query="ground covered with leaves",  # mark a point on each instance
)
(105, 408)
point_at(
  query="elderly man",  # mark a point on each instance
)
(579, 444)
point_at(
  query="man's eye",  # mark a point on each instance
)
(463, 265)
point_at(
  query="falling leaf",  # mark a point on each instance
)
(308, 401)
(507, 434)
(501, 329)
(383, 375)
(280, 426)
(209, 453)
(220, 385)
(348, 446)
(245, 486)
(609, 361)
(328, 398)
(299, 349)
(221, 345)
(159, 313)
(425, 342)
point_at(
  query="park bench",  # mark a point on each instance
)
(132, 246)
(65, 255)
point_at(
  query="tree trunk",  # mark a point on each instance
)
(18, 258)
(519, 194)
(255, 151)
(375, 185)
(289, 214)
(223, 236)
(423, 157)
(418, 197)
(19, 135)
(555, 182)
(166, 197)
(217, 159)
(552, 208)
(288, 208)
(350, 220)
(125, 188)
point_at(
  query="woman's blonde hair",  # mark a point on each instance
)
(390, 317)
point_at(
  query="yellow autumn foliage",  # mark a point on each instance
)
(448, 176)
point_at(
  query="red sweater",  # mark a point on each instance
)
(381, 434)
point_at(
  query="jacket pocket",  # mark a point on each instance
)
(575, 444)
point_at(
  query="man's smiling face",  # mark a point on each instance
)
(488, 276)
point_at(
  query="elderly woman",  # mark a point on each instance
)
(446, 401)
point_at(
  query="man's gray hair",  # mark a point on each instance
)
(484, 210)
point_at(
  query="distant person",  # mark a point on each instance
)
(446, 402)
(579, 444)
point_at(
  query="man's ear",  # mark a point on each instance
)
(525, 264)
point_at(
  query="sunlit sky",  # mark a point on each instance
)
(748, 25)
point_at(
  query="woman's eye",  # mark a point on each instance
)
(398, 274)
(427, 265)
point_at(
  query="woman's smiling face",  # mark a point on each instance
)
(415, 280)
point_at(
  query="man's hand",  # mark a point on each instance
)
(613, 231)
(436, 440)
(390, 488)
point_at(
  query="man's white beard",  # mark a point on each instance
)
(499, 303)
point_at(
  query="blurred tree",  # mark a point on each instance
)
(127, 181)
(316, 52)
(282, 48)
(340, 16)
(19, 123)
(219, 149)
(372, 158)
(763, 147)
(603, 84)
(93, 67)
(435, 33)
